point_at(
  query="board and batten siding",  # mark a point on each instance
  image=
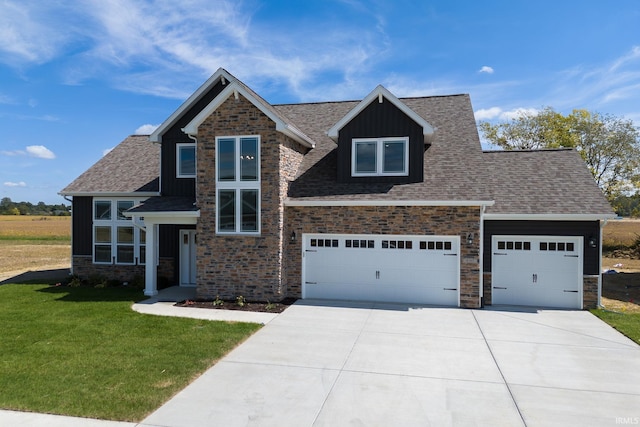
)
(586, 229)
(169, 184)
(382, 120)
(82, 225)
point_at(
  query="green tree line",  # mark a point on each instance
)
(9, 207)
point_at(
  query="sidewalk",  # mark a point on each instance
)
(160, 305)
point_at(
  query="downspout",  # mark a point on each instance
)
(195, 140)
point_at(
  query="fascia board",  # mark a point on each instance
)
(156, 136)
(111, 194)
(289, 202)
(548, 217)
(376, 93)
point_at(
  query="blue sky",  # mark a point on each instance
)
(77, 77)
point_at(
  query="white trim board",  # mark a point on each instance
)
(290, 202)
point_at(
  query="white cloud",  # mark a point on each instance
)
(107, 151)
(15, 184)
(12, 153)
(486, 69)
(146, 129)
(519, 112)
(498, 113)
(488, 114)
(40, 151)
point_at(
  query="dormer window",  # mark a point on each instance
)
(380, 157)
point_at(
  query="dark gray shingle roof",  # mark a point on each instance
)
(165, 204)
(132, 166)
(542, 182)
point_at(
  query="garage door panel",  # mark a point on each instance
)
(537, 271)
(417, 269)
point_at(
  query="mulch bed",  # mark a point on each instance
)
(272, 307)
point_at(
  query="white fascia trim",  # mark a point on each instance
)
(138, 194)
(156, 136)
(164, 214)
(234, 88)
(289, 202)
(548, 217)
(379, 91)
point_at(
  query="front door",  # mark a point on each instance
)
(187, 257)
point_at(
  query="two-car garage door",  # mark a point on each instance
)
(541, 271)
(389, 268)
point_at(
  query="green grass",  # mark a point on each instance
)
(627, 323)
(85, 352)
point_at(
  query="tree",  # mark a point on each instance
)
(610, 146)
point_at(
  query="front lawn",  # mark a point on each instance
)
(84, 352)
(626, 323)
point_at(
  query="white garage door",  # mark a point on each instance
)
(389, 268)
(543, 271)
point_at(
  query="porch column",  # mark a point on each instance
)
(150, 268)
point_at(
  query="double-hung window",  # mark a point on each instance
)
(380, 157)
(115, 239)
(238, 184)
(186, 160)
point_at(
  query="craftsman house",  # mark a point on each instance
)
(383, 199)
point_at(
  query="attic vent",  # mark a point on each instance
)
(379, 98)
(222, 79)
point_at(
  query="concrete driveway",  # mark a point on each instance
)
(357, 364)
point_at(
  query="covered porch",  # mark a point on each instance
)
(152, 213)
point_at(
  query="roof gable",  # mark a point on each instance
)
(236, 88)
(220, 75)
(379, 93)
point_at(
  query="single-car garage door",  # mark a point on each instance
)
(389, 268)
(543, 271)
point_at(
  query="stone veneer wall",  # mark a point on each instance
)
(83, 267)
(486, 288)
(590, 292)
(251, 266)
(412, 220)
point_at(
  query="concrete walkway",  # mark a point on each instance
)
(358, 364)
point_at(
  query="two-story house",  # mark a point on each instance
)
(383, 199)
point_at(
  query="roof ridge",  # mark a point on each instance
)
(360, 100)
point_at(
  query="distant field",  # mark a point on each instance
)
(34, 243)
(621, 233)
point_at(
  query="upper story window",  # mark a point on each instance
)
(238, 184)
(186, 160)
(380, 157)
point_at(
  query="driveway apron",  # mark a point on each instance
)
(327, 363)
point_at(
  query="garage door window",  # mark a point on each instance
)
(510, 245)
(557, 246)
(397, 244)
(324, 243)
(359, 243)
(433, 245)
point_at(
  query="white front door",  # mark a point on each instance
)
(543, 271)
(187, 257)
(387, 268)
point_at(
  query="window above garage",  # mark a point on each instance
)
(380, 157)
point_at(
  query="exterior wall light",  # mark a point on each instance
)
(470, 239)
(592, 242)
(292, 239)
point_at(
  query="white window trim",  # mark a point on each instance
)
(237, 185)
(114, 223)
(379, 156)
(179, 146)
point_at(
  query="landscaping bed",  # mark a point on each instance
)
(239, 304)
